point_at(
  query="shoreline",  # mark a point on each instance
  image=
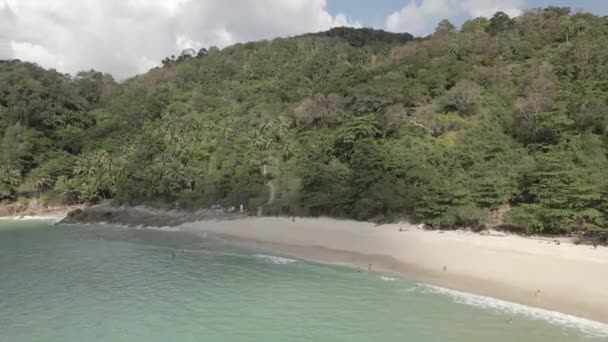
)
(34, 209)
(540, 273)
(547, 273)
(55, 214)
(42, 216)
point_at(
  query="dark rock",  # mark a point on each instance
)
(74, 214)
(146, 216)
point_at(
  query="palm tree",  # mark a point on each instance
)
(67, 187)
(267, 126)
(261, 140)
(568, 27)
(9, 175)
(581, 25)
(96, 174)
(42, 182)
(283, 124)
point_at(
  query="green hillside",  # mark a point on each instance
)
(502, 121)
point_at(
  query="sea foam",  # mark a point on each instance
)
(589, 327)
(125, 226)
(275, 259)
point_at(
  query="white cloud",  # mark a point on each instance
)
(418, 17)
(414, 17)
(29, 52)
(487, 8)
(128, 36)
(184, 42)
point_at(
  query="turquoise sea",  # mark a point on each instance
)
(94, 283)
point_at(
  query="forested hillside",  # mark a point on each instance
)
(503, 121)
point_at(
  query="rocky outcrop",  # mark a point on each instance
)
(146, 216)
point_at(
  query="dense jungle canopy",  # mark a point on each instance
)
(501, 121)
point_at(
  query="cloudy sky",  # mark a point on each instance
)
(126, 37)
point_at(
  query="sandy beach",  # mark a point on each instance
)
(58, 216)
(34, 210)
(537, 272)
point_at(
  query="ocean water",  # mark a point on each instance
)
(105, 283)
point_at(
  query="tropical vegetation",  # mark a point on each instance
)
(503, 121)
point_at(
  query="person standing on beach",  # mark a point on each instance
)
(243, 200)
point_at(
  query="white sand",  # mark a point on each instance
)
(571, 279)
(51, 216)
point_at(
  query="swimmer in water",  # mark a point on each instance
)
(173, 254)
